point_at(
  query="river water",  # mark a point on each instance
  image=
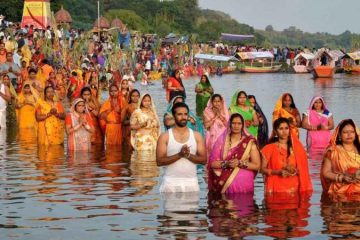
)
(49, 194)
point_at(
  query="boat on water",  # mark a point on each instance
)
(351, 62)
(325, 63)
(303, 62)
(224, 64)
(258, 62)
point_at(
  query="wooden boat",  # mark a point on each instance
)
(351, 62)
(261, 69)
(220, 61)
(258, 62)
(303, 62)
(325, 62)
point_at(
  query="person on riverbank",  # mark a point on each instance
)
(235, 160)
(216, 117)
(145, 125)
(240, 104)
(263, 128)
(340, 171)
(180, 149)
(284, 162)
(318, 121)
(203, 91)
(5, 97)
(285, 108)
(78, 127)
(50, 115)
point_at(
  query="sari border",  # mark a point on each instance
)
(237, 169)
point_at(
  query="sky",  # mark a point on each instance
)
(332, 16)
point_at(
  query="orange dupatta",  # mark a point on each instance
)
(342, 161)
(279, 112)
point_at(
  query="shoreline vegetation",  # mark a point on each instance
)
(185, 17)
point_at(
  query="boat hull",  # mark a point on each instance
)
(324, 72)
(252, 69)
(301, 69)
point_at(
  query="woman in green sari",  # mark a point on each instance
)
(204, 91)
(240, 104)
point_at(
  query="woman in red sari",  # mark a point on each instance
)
(340, 173)
(175, 87)
(234, 161)
(285, 163)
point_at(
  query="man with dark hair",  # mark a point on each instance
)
(180, 149)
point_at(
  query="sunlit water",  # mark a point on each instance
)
(49, 194)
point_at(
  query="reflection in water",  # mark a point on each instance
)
(233, 215)
(287, 215)
(342, 218)
(324, 82)
(50, 158)
(144, 172)
(182, 215)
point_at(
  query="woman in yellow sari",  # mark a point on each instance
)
(285, 108)
(340, 172)
(145, 125)
(50, 116)
(25, 104)
(112, 114)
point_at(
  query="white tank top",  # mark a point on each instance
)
(182, 168)
(3, 103)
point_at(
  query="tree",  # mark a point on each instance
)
(269, 28)
(130, 18)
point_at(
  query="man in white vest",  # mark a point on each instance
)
(180, 149)
(5, 97)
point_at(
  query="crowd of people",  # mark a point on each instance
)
(233, 141)
(237, 147)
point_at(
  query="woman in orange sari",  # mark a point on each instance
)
(112, 113)
(340, 173)
(285, 163)
(285, 108)
(92, 108)
(78, 127)
(25, 104)
(50, 115)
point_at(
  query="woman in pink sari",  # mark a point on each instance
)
(319, 122)
(216, 117)
(234, 161)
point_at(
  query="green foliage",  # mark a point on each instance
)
(128, 17)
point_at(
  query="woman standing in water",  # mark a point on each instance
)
(318, 121)
(263, 129)
(50, 115)
(240, 104)
(235, 160)
(112, 113)
(78, 127)
(285, 108)
(216, 117)
(145, 125)
(203, 91)
(284, 162)
(340, 172)
(92, 107)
